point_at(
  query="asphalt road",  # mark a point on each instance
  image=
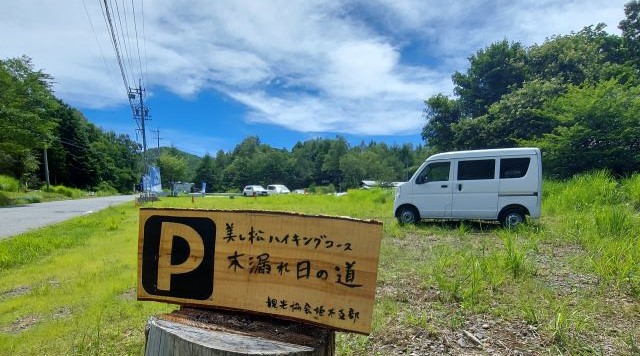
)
(18, 219)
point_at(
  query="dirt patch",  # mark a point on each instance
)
(129, 294)
(62, 312)
(16, 292)
(553, 268)
(22, 324)
(478, 335)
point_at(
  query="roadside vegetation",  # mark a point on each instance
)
(566, 284)
(12, 193)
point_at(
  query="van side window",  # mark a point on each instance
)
(476, 169)
(514, 167)
(434, 172)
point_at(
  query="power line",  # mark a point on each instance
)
(95, 35)
(144, 40)
(135, 26)
(107, 16)
(136, 95)
(123, 42)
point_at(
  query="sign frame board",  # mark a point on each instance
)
(312, 268)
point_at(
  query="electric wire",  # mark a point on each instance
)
(144, 41)
(107, 17)
(135, 26)
(124, 42)
(95, 35)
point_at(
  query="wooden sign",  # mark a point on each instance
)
(317, 269)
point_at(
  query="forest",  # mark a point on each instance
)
(574, 96)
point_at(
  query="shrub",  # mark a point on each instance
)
(66, 191)
(322, 189)
(32, 198)
(104, 189)
(8, 184)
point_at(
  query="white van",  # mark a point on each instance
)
(497, 184)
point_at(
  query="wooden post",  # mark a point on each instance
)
(191, 331)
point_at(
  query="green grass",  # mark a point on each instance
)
(75, 284)
(574, 275)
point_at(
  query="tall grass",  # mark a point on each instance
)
(631, 188)
(601, 214)
(580, 193)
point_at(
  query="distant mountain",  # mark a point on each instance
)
(192, 160)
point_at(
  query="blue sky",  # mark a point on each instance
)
(286, 71)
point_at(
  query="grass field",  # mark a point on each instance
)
(566, 284)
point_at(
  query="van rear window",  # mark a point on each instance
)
(476, 169)
(514, 167)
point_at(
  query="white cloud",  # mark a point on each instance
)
(311, 66)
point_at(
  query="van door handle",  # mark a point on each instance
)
(460, 187)
(443, 186)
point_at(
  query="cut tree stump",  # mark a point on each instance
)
(191, 331)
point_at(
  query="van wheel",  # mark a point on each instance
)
(408, 215)
(512, 218)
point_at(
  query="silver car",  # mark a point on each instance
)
(274, 189)
(254, 190)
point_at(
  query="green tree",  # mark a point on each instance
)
(331, 162)
(172, 169)
(599, 129)
(441, 113)
(517, 116)
(630, 27)
(26, 103)
(589, 55)
(204, 172)
(493, 72)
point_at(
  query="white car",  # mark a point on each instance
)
(254, 190)
(274, 189)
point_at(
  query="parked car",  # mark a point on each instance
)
(274, 189)
(497, 184)
(254, 190)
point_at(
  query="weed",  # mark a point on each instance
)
(113, 224)
(456, 320)
(613, 221)
(632, 344)
(472, 294)
(530, 313)
(565, 326)
(351, 344)
(450, 284)
(463, 229)
(420, 320)
(514, 257)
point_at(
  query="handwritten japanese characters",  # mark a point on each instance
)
(317, 269)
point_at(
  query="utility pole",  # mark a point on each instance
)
(157, 136)
(140, 114)
(46, 167)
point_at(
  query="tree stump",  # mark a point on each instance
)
(191, 331)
